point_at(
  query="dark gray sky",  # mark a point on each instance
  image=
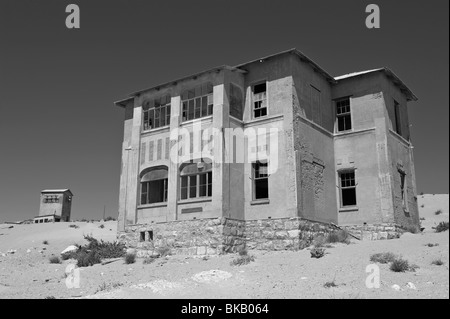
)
(59, 128)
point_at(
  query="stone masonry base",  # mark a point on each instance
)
(223, 235)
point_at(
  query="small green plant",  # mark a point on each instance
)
(402, 265)
(383, 258)
(242, 260)
(164, 251)
(422, 218)
(101, 226)
(50, 297)
(339, 236)
(422, 206)
(54, 260)
(130, 258)
(109, 218)
(94, 251)
(317, 252)
(330, 284)
(432, 245)
(74, 226)
(45, 242)
(437, 262)
(104, 286)
(443, 226)
(149, 260)
(438, 212)
(243, 252)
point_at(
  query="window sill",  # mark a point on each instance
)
(348, 209)
(154, 205)
(187, 122)
(158, 129)
(194, 200)
(260, 202)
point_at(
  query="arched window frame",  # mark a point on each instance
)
(154, 185)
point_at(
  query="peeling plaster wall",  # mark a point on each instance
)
(400, 160)
(313, 145)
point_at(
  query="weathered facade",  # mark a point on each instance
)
(55, 206)
(316, 151)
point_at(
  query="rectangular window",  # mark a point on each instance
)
(343, 115)
(260, 181)
(348, 188)
(154, 191)
(259, 100)
(398, 122)
(184, 187)
(197, 102)
(156, 113)
(193, 186)
(404, 190)
(198, 185)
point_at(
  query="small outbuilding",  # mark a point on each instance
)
(56, 205)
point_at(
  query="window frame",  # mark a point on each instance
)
(341, 198)
(194, 98)
(254, 100)
(259, 178)
(397, 118)
(165, 188)
(153, 108)
(187, 180)
(404, 191)
(342, 115)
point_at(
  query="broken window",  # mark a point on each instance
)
(404, 190)
(348, 188)
(259, 100)
(142, 237)
(154, 186)
(156, 112)
(343, 115)
(197, 102)
(398, 122)
(260, 180)
(196, 180)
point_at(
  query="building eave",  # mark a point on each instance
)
(192, 76)
(302, 57)
(390, 75)
(56, 191)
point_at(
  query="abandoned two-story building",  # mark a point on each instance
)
(333, 152)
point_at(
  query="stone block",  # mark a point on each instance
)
(294, 233)
(201, 250)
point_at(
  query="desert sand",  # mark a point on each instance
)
(25, 270)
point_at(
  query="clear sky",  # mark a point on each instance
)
(60, 129)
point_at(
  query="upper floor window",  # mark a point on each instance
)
(197, 102)
(196, 180)
(343, 115)
(347, 188)
(259, 100)
(154, 186)
(156, 112)
(398, 122)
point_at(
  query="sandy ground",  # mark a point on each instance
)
(27, 273)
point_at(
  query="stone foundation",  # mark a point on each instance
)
(223, 235)
(375, 232)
